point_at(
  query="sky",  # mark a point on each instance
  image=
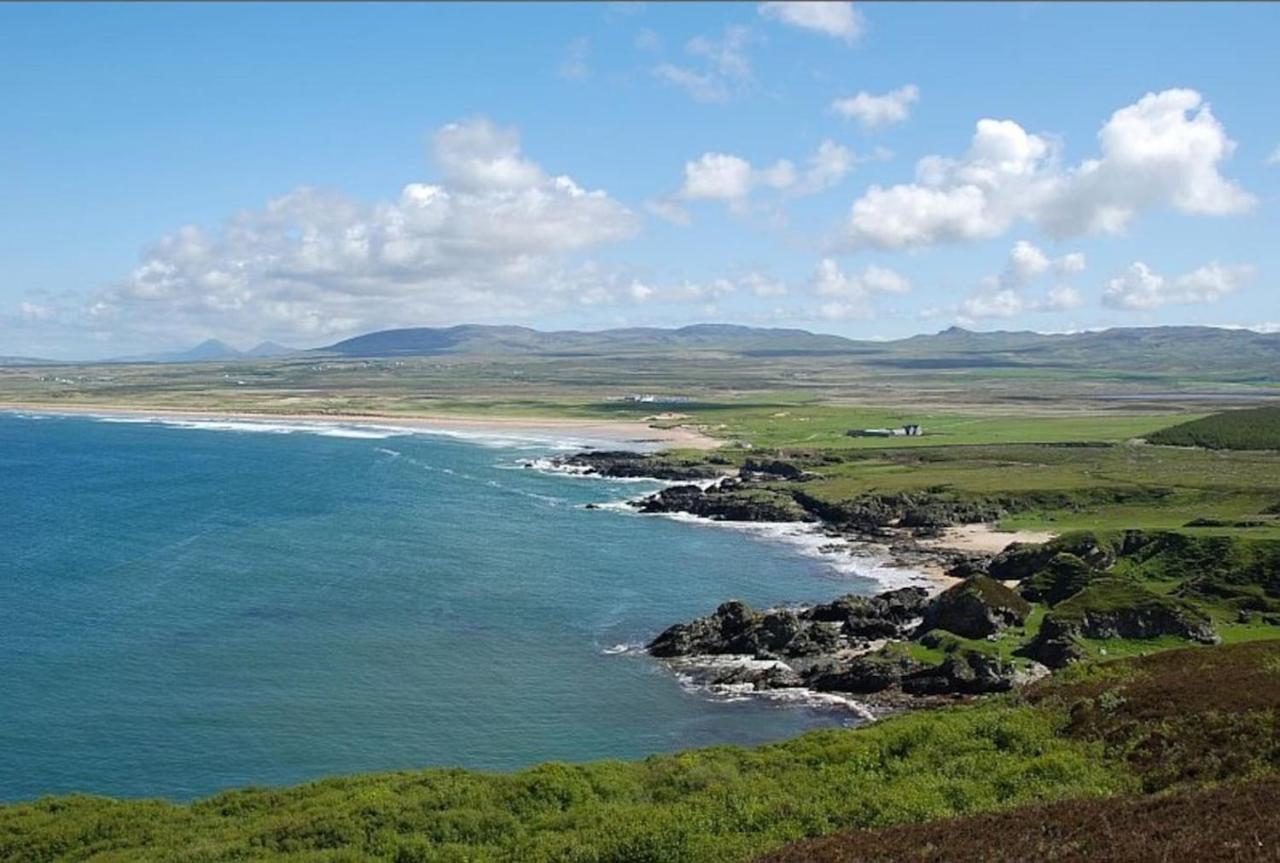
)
(302, 173)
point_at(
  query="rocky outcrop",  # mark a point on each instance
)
(730, 500)
(829, 648)
(774, 469)
(847, 623)
(1114, 607)
(629, 465)
(1063, 576)
(976, 608)
(1022, 560)
(924, 512)
(965, 672)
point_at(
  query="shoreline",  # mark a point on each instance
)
(620, 433)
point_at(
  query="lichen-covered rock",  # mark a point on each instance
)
(975, 608)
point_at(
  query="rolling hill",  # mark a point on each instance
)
(1245, 355)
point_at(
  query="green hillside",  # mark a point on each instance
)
(1119, 731)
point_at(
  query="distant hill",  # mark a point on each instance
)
(475, 339)
(1249, 428)
(210, 350)
(26, 361)
(1193, 351)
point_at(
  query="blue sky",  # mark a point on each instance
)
(301, 173)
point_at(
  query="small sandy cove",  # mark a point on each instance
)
(622, 432)
(984, 538)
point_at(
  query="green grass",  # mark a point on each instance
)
(722, 804)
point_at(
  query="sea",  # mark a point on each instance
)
(190, 605)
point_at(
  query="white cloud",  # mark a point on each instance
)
(763, 286)
(574, 65)
(1006, 295)
(732, 179)
(724, 67)
(1062, 298)
(1003, 303)
(1027, 262)
(876, 112)
(492, 237)
(854, 295)
(839, 20)
(682, 292)
(1164, 151)
(1139, 288)
(718, 176)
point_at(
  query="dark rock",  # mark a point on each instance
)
(776, 676)
(1063, 576)
(633, 464)
(1114, 607)
(1056, 650)
(975, 608)
(872, 672)
(775, 468)
(968, 672)
(1022, 560)
(726, 502)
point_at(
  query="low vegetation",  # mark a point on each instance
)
(1104, 733)
(1245, 429)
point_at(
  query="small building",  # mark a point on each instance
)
(909, 430)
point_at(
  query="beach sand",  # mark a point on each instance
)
(984, 538)
(620, 432)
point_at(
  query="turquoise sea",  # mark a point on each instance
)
(189, 606)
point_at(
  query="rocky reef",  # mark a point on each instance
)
(855, 645)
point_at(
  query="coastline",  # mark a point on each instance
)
(624, 433)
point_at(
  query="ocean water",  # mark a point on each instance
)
(186, 607)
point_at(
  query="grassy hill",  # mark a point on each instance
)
(1245, 429)
(1153, 349)
(1112, 734)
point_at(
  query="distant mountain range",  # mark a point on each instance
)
(1242, 355)
(1154, 349)
(487, 340)
(211, 350)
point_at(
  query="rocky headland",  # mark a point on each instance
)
(994, 622)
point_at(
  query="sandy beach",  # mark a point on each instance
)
(620, 432)
(984, 538)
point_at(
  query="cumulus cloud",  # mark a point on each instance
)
(877, 112)
(1139, 288)
(687, 291)
(839, 20)
(732, 179)
(1007, 294)
(854, 295)
(493, 235)
(1163, 151)
(722, 67)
